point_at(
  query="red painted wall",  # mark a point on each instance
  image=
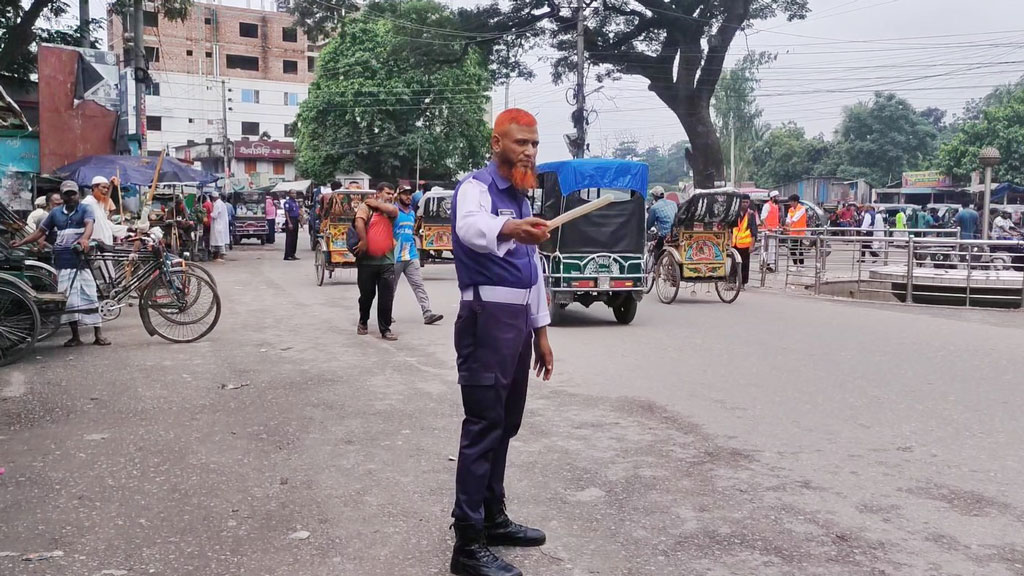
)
(67, 132)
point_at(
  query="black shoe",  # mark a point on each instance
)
(499, 530)
(472, 557)
(432, 318)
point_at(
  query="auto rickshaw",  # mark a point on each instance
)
(250, 216)
(336, 212)
(699, 248)
(434, 223)
(598, 257)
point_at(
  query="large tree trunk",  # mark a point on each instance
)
(21, 35)
(705, 152)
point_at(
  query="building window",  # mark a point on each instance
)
(291, 99)
(278, 168)
(289, 35)
(248, 30)
(209, 54)
(154, 123)
(208, 21)
(152, 54)
(150, 19)
(188, 52)
(291, 67)
(310, 63)
(289, 130)
(251, 96)
(250, 128)
(153, 89)
(250, 167)
(239, 62)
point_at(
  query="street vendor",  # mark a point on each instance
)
(73, 223)
(502, 322)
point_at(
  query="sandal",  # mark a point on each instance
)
(73, 342)
(101, 342)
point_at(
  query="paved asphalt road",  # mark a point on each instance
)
(778, 435)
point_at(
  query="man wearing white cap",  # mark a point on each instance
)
(770, 223)
(98, 202)
(37, 216)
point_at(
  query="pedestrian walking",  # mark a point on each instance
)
(407, 258)
(220, 233)
(73, 224)
(744, 236)
(502, 322)
(796, 225)
(270, 212)
(375, 259)
(231, 222)
(292, 213)
(871, 224)
(770, 223)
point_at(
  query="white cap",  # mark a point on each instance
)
(99, 180)
(773, 193)
(40, 202)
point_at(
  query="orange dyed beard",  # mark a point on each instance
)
(523, 178)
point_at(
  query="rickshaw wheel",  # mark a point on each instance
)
(19, 324)
(625, 312)
(666, 278)
(319, 265)
(729, 290)
(650, 272)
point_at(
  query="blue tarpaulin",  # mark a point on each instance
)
(1000, 191)
(584, 173)
(136, 170)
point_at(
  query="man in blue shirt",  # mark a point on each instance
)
(73, 224)
(291, 226)
(967, 219)
(502, 325)
(407, 258)
(418, 195)
(660, 216)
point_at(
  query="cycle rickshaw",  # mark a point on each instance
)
(336, 212)
(598, 257)
(699, 248)
(435, 224)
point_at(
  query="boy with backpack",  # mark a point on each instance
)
(375, 259)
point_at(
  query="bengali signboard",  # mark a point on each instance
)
(928, 179)
(265, 149)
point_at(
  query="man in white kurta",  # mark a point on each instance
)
(220, 231)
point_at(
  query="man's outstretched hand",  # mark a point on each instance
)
(530, 230)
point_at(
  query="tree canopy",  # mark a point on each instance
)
(667, 164)
(1000, 125)
(378, 95)
(786, 154)
(735, 109)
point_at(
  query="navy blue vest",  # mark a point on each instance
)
(518, 268)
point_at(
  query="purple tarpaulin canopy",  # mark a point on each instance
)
(136, 170)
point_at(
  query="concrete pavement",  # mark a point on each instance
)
(777, 435)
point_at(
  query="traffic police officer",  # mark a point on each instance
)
(502, 322)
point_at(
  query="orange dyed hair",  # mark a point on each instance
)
(516, 116)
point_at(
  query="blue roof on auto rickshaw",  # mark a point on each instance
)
(583, 173)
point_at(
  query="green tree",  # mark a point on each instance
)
(880, 139)
(667, 165)
(735, 108)
(786, 154)
(378, 97)
(1000, 125)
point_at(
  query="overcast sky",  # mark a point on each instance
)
(933, 52)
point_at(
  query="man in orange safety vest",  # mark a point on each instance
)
(770, 223)
(744, 234)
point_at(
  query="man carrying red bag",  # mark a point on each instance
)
(375, 259)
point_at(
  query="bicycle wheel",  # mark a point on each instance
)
(49, 319)
(176, 320)
(19, 324)
(202, 271)
(729, 289)
(667, 278)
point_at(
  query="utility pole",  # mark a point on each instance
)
(140, 73)
(224, 122)
(580, 119)
(418, 140)
(507, 82)
(83, 23)
(732, 149)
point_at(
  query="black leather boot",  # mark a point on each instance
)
(499, 530)
(472, 557)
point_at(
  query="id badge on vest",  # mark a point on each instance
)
(507, 212)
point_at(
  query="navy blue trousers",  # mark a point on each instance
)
(493, 345)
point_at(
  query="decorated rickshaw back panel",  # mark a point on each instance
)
(702, 253)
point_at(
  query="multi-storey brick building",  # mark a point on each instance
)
(225, 77)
